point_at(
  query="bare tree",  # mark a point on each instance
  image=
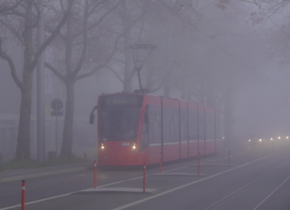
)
(82, 51)
(18, 19)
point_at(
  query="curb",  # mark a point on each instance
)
(43, 174)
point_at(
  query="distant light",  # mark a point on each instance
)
(249, 140)
(134, 146)
(102, 146)
(260, 140)
(279, 137)
(271, 139)
(223, 137)
(287, 137)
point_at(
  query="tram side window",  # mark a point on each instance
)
(170, 125)
(201, 125)
(191, 125)
(209, 126)
(166, 125)
(166, 119)
(194, 125)
(207, 129)
(171, 128)
(154, 124)
(212, 125)
(145, 126)
(175, 126)
(183, 125)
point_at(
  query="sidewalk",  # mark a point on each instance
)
(20, 174)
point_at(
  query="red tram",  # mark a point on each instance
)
(137, 128)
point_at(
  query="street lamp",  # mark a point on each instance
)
(140, 55)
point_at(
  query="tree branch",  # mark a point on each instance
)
(6, 57)
(89, 73)
(85, 46)
(119, 37)
(5, 9)
(53, 35)
(14, 32)
(101, 19)
(14, 12)
(55, 71)
(95, 6)
(114, 72)
(50, 30)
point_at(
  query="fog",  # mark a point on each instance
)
(203, 53)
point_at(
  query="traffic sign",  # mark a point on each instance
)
(56, 104)
(56, 113)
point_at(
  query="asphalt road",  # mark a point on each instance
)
(257, 179)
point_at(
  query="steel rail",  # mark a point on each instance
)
(247, 185)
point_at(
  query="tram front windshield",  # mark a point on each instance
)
(120, 124)
(120, 118)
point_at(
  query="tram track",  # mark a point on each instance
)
(275, 190)
(217, 203)
(84, 178)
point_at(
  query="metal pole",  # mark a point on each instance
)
(1, 163)
(56, 133)
(95, 174)
(229, 161)
(160, 162)
(144, 176)
(23, 195)
(40, 94)
(198, 164)
(139, 78)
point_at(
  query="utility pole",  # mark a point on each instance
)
(40, 94)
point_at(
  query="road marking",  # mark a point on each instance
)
(118, 182)
(186, 185)
(263, 201)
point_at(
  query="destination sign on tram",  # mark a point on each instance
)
(111, 101)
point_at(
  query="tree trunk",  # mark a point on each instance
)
(66, 148)
(23, 137)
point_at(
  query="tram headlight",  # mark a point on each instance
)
(102, 147)
(134, 147)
